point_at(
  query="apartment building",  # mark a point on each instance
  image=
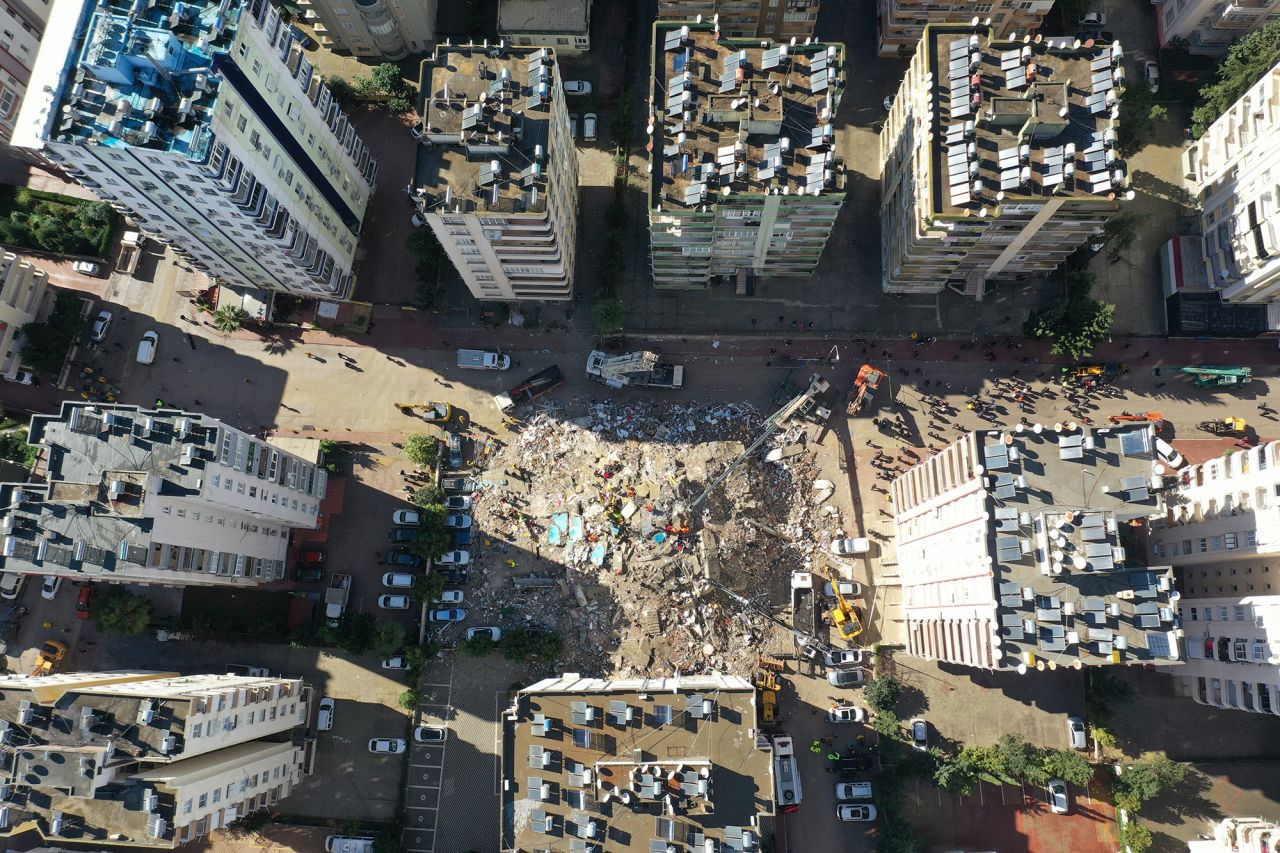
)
(1222, 535)
(134, 495)
(21, 24)
(146, 759)
(22, 289)
(998, 159)
(778, 20)
(1017, 550)
(646, 763)
(496, 177)
(902, 22)
(206, 125)
(1232, 169)
(378, 29)
(562, 25)
(1210, 26)
(1237, 835)
(745, 181)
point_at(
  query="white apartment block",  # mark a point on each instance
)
(998, 159)
(147, 759)
(22, 289)
(496, 176)
(744, 178)
(562, 25)
(1210, 26)
(1222, 536)
(1237, 835)
(902, 22)
(132, 495)
(777, 20)
(21, 24)
(207, 126)
(1235, 171)
(377, 29)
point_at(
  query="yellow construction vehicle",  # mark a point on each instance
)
(844, 615)
(48, 657)
(1225, 426)
(767, 688)
(433, 413)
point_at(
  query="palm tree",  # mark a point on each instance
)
(229, 318)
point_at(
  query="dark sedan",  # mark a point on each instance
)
(400, 535)
(401, 557)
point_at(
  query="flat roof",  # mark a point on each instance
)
(544, 16)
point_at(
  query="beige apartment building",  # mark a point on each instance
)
(902, 22)
(998, 159)
(377, 29)
(134, 495)
(1210, 26)
(562, 25)
(22, 290)
(146, 759)
(22, 24)
(496, 177)
(777, 20)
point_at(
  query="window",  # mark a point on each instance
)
(1231, 541)
(1240, 613)
(217, 795)
(186, 807)
(1195, 617)
(1259, 651)
(1222, 614)
(1208, 614)
(244, 51)
(204, 800)
(242, 123)
(1239, 650)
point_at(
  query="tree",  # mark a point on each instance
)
(1075, 322)
(522, 643)
(988, 762)
(1138, 114)
(433, 538)
(14, 448)
(229, 318)
(428, 495)
(1119, 234)
(45, 344)
(886, 724)
(608, 315)
(1245, 63)
(118, 611)
(409, 699)
(387, 79)
(479, 646)
(422, 450)
(882, 693)
(249, 825)
(417, 656)
(388, 637)
(1135, 837)
(341, 91)
(1020, 759)
(1069, 765)
(429, 587)
(399, 104)
(1104, 693)
(956, 775)
(1146, 779)
(363, 87)
(1102, 737)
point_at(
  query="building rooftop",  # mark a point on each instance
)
(487, 118)
(1034, 524)
(634, 765)
(1031, 118)
(543, 16)
(731, 117)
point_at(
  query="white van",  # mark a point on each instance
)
(478, 359)
(348, 844)
(11, 584)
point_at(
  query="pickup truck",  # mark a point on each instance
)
(335, 599)
(530, 389)
(478, 359)
(130, 251)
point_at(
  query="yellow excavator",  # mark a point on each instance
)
(844, 615)
(49, 655)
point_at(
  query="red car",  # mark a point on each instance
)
(85, 600)
(311, 557)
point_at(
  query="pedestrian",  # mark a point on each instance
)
(196, 402)
(787, 342)
(175, 358)
(753, 321)
(1147, 353)
(780, 318)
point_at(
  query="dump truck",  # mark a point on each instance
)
(335, 599)
(49, 655)
(131, 246)
(865, 385)
(634, 368)
(530, 389)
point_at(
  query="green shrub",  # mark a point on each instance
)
(882, 693)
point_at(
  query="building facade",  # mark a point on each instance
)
(561, 25)
(998, 159)
(1017, 550)
(147, 759)
(744, 178)
(1238, 835)
(22, 23)
(497, 173)
(777, 20)
(22, 289)
(378, 29)
(1210, 26)
(590, 759)
(209, 128)
(1231, 168)
(132, 495)
(1222, 536)
(902, 22)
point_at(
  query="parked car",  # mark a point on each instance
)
(315, 555)
(456, 457)
(400, 535)
(387, 745)
(847, 588)
(11, 585)
(397, 580)
(101, 324)
(324, 716)
(450, 614)
(454, 558)
(589, 127)
(401, 557)
(458, 520)
(463, 485)
(846, 714)
(458, 502)
(308, 574)
(849, 547)
(577, 87)
(492, 632)
(430, 734)
(853, 790)
(406, 517)
(1059, 800)
(84, 603)
(1093, 19)
(1168, 455)
(454, 575)
(1076, 734)
(848, 812)
(856, 763)
(460, 538)
(397, 662)
(573, 125)
(842, 657)
(147, 348)
(305, 40)
(847, 677)
(1151, 73)
(393, 602)
(919, 734)
(450, 596)
(87, 267)
(22, 377)
(49, 589)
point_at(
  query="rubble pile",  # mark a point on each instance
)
(590, 530)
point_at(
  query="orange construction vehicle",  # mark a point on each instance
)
(1151, 417)
(865, 385)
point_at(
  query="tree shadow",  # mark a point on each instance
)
(1145, 182)
(1183, 802)
(911, 702)
(275, 343)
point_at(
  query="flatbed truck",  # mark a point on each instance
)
(530, 389)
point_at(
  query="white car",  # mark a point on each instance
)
(853, 790)
(847, 588)
(430, 734)
(846, 714)
(101, 324)
(490, 631)
(842, 657)
(393, 602)
(1075, 733)
(1168, 455)
(1058, 799)
(1151, 73)
(147, 348)
(324, 718)
(387, 745)
(450, 596)
(1093, 19)
(847, 677)
(406, 518)
(848, 811)
(454, 558)
(450, 614)
(397, 662)
(849, 547)
(86, 267)
(457, 521)
(577, 87)
(49, 589)
(589, 127)
(22, 377)
(398, 580)
(458, 502)
(920, 734)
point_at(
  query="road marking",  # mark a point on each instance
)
(428, 787)
(448, 686)
(423, 808)
(1003, 802)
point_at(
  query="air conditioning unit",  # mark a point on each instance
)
(146, 713)
(167, 745)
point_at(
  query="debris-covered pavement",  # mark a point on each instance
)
(588, 529)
